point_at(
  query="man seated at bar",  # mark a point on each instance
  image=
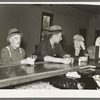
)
(50, 49)
(97, 43)
(78, 48)
(14, 54)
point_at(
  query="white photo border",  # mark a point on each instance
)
(5, 93)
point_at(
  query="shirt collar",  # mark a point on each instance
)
(12, 48)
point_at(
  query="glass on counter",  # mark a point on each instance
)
(83, 60)
(33, 57)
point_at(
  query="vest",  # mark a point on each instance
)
(10, 51)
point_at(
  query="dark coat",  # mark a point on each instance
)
(71, 50)
(45, 48)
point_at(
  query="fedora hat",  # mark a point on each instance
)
(55, 28)
(12, 32)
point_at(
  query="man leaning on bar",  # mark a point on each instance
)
(50, 49)
(13, 54)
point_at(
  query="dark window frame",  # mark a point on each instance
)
(50, 23)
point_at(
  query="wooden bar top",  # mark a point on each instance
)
(12, 75)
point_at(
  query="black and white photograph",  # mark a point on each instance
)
(50, 47)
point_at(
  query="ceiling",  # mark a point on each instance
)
(94, 9)
(73, 8)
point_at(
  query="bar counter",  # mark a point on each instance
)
(12, 75)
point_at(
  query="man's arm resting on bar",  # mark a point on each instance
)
(57, 60)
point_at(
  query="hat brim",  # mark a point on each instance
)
(9, 36)
(55, 32)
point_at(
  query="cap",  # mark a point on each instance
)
(12, 32)
(78, 37)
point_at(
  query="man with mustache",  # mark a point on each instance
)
(14, 54)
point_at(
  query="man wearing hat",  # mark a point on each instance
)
(77, 49)
(50, 49)
(14, 54)
(97, 43)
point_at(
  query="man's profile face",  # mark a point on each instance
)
(15, 41)
(58, 37)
